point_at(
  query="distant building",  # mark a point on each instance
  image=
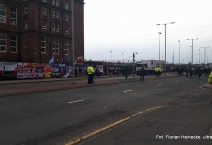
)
(35, 30)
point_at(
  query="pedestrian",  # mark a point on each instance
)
(199, 73)
(93, 74)
(75, 71)
(210, 78)
(126, 71)
(142, 73)
(156, 71)
(80, 71)
(187, 71)
(190, 72)
(90, 73)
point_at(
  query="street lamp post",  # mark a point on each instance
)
(165, 41)
(133, 63)
(73, 56)
(110, 55)
(199, 56)
(122, 57)
(205, 53)
(159, 44)
(207, 59)
(192, 49)
(179, 51)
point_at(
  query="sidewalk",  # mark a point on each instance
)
(78, 84)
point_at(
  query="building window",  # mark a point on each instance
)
(43, 44)
(14, 44)
(25, 9)
(67, 30)
(67, 18)
(56, 45)
(66, 5)
(44, 11)
(3, 42)
(53, 2)
(53, 27)
(3, 13)
(44, 25)
(66, 48)
(53, 14)
(57, 28)
(57, 2)
(26, 24)
(57, 15)
(14, 16)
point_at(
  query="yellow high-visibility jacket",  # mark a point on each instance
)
(90, 70)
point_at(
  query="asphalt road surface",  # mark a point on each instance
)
(59, 117)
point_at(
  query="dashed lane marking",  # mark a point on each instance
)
(76, 101)
(127, 91)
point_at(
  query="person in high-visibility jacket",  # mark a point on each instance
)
(156, 71)
(210, 78)
(90, 72)
(159, 71)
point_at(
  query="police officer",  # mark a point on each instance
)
(90, 72)
(210, 78)
(156, 71)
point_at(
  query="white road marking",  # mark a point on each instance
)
(76, 101)
(159, 84)
(127, 91)
(176, 81)
(106, 107)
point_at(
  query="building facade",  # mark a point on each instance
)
(36, 30)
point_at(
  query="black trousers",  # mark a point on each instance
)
(142, 77)
(90, 78)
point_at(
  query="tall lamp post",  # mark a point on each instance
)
(179, 51)
(133, 63)
(199, 56)
(110, 55)
(159, 44)
(205, 53)
(165, 42)
(192, 49)
(73, 56)
(122, 57)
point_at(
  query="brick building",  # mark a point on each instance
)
(35, 30)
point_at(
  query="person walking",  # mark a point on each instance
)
(199, 73)
(190, 72)
(126, 71)
(142, 73)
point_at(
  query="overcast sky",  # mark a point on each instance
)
(127, 26)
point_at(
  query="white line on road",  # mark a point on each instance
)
(176, 81)
(127, 91)
(76, 101)
(159, 84)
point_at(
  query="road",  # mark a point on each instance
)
(59, 117)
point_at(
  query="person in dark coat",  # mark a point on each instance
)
(126, 71)
(199, 73)
(142, 74)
